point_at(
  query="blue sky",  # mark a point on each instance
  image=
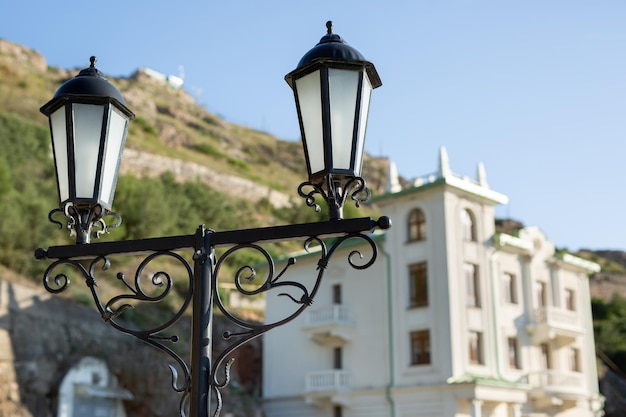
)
(534, 89)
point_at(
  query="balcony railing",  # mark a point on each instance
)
(332, 314)
(330, 324)
(328, 381)
(555, 323)
(552, 387)
(556, 316)
(556, 379)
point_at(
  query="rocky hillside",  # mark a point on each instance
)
(612, 278)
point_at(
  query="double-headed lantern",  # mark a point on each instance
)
(332, 86)
(88, 122)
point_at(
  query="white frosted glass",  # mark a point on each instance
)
(59, 142)
(87, 130)
(310, 101)
(363, 112)
(113, 154)
(343, 86)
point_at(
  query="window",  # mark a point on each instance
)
(337, 358)
(546, 356)
(514, 362)
(420, 347)
(337, 294)
(472, 284)
(468, 226)
(542, 294)
(475, 342)
(509, 288)
(570, 300)
(417, 225)
(574, 359)
(418, 285)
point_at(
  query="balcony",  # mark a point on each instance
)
(330, 386)
(329, 324)
(557, 324)
(555, 388)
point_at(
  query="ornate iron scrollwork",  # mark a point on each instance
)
(152, 285)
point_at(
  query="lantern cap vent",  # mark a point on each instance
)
(89, 82)
(332, 48)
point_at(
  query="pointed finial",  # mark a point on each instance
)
(92, 59)
(481, 175)
(329, 27)
(393, 180)
(444, 163)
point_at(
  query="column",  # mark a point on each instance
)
(516, 410)
(476, 408)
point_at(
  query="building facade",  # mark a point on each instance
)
(454, 319)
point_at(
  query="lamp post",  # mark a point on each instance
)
(89, 121)
(88, 124)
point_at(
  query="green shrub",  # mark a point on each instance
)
(208, 149)
(146, 126)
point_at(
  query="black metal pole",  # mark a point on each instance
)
(202, 326)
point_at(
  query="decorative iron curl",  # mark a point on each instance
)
(335, 192)
(164, 282)
(110, 314)
(83, 222)
(61, 280)
(270, 281)
(355, 253)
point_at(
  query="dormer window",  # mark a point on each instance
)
(417, 225)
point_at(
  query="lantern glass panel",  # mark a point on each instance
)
(112, 154)
(308, 90)
(87, 133)
(343, 87)
(366, 93)
(59, 142)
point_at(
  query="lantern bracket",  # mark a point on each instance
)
(86, 221)
(335, 192)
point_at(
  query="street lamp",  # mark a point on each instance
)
(332, 86)
(88, 125)
(88, 121)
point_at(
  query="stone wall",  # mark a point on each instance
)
(141, 163)
(604, 285)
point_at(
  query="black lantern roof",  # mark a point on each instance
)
(89, 82)
(332, 48)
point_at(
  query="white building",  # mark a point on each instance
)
(452, 320)
(89, 389)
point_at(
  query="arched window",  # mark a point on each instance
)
(468, 226)
(417, 225)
